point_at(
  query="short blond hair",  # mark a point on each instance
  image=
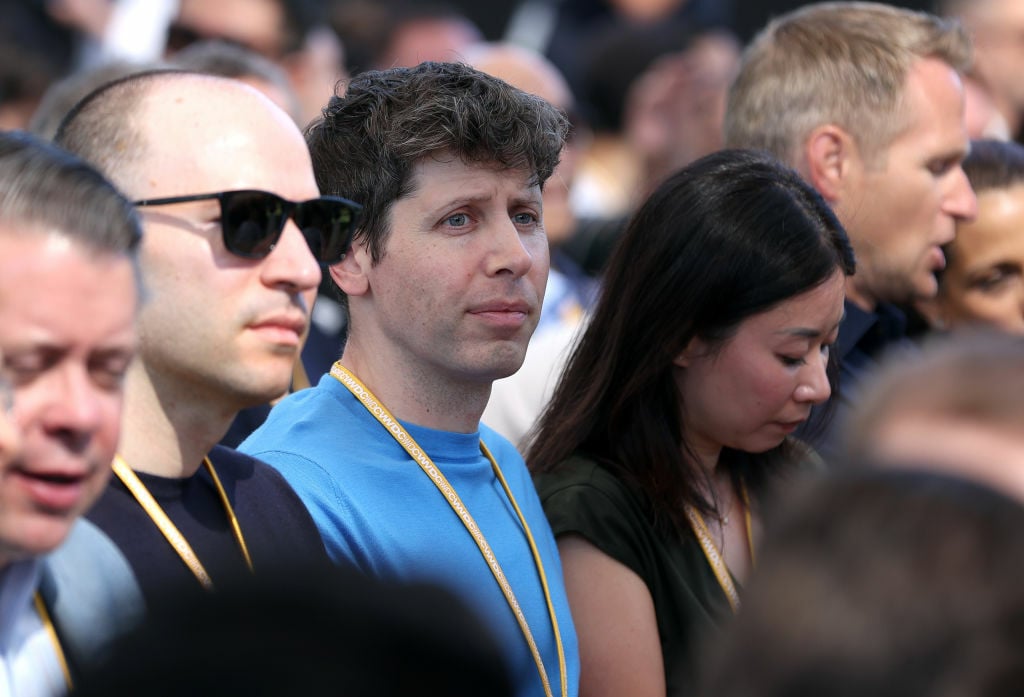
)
(843, 63)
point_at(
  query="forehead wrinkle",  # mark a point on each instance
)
(423, 182)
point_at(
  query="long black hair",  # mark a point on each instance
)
(728, 237)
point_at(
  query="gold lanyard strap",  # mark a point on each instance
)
(409, 444)
(711, 553)
(169, 529)
(236, 529)
(539, 564)
(51, 631)
(748, 523)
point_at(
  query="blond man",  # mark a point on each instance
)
(867, 102)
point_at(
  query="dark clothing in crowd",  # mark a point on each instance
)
(864, 337)
(275, 524)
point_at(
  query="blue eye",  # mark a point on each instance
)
(457, 220)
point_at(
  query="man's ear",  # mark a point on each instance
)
(830, 155)
(351, 273)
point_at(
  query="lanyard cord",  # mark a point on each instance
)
(169, 529)
(714, 557)
(51, 631)
(409, 444)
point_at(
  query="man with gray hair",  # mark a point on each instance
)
(866, 102)
(68, 298)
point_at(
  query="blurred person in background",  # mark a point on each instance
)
(981, 112)
(381, 34)
(423, 31)
(653, 98)
(292, 33)
(983, 282)
(563, 31)
(996, 28)
(68, 300)
(883, 583)
(219, 57)
(35, 51)
(956, 405)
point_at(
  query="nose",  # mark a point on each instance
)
(75, 406)
(291, 264)
(960, 201)
(509, 253)
(813, 386)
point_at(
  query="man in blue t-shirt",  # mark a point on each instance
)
(443, 285)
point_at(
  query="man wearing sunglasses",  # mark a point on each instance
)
(235, 231)
(68, 299)
(443, 283)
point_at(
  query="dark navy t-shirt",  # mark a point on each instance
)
(275, 524)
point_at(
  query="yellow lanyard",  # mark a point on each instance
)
(169, 529)
(52, 633)
(714, 557)
(390, 423)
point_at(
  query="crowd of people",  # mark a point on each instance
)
(349, 348)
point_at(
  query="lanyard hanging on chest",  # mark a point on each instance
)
(409, 444)
(169, 529)
(51, 632)
(714, 557)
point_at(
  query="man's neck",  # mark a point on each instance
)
(168, 429)
(859, 296)
(419, 396)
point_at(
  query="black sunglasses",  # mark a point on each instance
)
(252, 221)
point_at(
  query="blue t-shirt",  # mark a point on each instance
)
(376, 509)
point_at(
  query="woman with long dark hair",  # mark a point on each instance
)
(707, 349)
